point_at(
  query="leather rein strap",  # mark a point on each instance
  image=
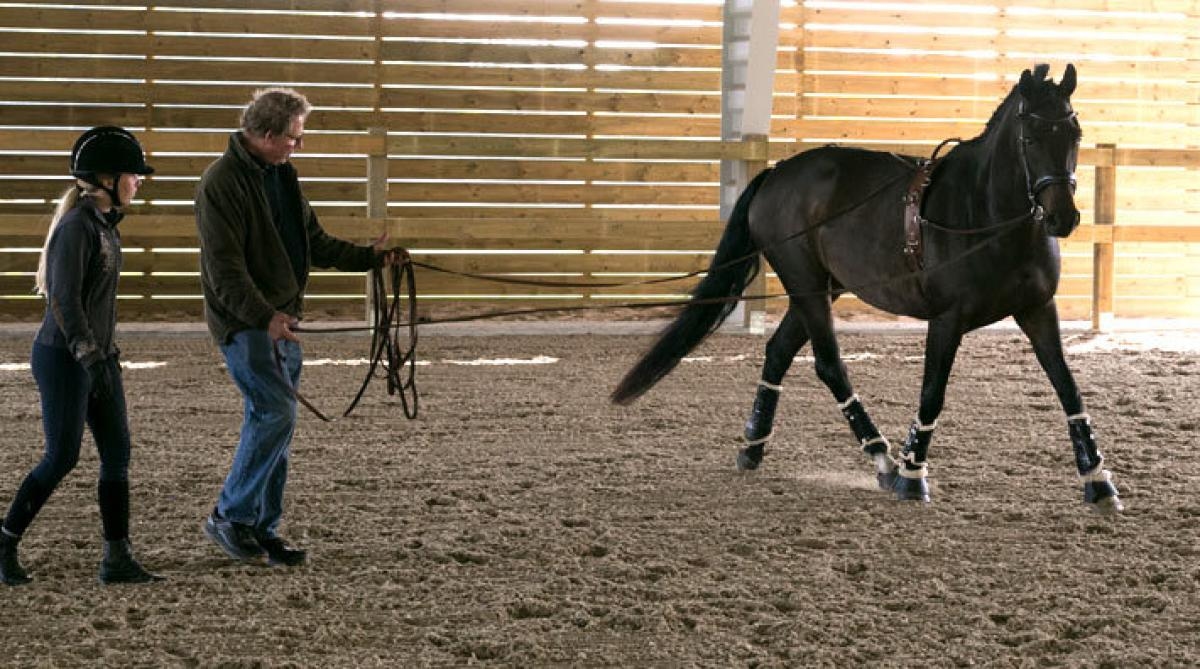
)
(400, 366)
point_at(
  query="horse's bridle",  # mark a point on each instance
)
(1032, 186)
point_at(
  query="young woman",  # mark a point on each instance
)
(75, 361)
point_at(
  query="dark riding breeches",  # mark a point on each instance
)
(67, 406)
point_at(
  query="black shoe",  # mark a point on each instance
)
(280, 554)
(119, 565)
(236, 539)
(11, 571)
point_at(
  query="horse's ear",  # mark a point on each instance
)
(1025, 85)
(1067, 87)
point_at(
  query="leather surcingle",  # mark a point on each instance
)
(913, 251)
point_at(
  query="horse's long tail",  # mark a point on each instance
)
(732, 267)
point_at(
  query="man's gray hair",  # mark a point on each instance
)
(272, 110)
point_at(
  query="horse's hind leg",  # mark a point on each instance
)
(781, 350)
(1041, 326)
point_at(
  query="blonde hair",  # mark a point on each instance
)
(68, 201)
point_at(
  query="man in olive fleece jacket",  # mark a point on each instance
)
(258, 239)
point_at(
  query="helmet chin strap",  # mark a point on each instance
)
(112, 192)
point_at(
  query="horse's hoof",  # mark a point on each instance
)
(887, 480)
(747, 460)
(886, 469)
(910, 490)
(1102, 496)
(1108, 506)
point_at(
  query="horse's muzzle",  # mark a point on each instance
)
(1057, 199)
(1061, 224)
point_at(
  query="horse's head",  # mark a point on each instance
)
(1048, 144)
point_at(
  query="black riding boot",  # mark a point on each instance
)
(119, 565)
(11, 571)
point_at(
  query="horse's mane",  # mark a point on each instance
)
(1011, 101)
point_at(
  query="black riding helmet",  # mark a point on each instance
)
(107, 149)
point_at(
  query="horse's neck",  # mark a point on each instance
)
(993, 183)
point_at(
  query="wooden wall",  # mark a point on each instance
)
(569, 138)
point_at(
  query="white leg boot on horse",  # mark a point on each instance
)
(781, 350)
(759, 427)
(1098, 488)
(910, 484)
(874, 445)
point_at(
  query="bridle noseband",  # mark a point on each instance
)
(1035, 186)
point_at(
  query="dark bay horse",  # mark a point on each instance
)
(980, 245)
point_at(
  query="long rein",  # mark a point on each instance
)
(400, 367)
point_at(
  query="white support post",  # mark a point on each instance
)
(748, 56)
(377, 199)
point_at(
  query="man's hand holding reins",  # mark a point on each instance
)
(281, 326)
(388, 257)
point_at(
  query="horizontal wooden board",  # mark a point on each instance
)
(584, 53)
(281, 5)
(997, 50)
(579, 101)
(316, 140)
(570, 28)
(469, 192)
(557, 233)
(482, 212)
(77, 92)
(186, 190)
(554, 170)
(324, 167)
(200, 45)
(545, 124)
(644, 10)
(859, 130)
(280, 22)
(583, 79)
(1089, 89)
(266, 72)
(553, 147)
(975, 64)
(84, 19)
(983, 108)
(75, 43)
(72, 116)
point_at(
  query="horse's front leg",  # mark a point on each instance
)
(941, 345)
(1041, 326)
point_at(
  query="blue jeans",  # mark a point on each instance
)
(253, 491)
